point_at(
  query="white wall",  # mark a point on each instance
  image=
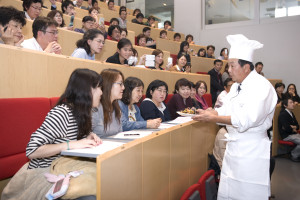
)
(280, 38)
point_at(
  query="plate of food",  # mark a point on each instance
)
(188, 112)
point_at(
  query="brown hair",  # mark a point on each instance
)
(109, 77)
(156, 52)
(198, 85)
(52, 14)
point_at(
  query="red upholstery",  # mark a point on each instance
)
(20, 117)
(190, 191)
(135, 41)
(202, 73)
(53, 101)
(168, 98)
(174, 58)
(286, 143)
(201, 182)
(106, 23)
(207, 98)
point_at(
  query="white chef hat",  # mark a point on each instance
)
(242, 47)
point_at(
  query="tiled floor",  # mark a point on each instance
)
(285, 182)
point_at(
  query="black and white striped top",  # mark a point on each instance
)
(58, 127)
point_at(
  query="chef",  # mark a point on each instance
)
(247, 112)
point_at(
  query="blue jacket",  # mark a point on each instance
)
(140, 123)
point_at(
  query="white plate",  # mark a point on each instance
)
(185, 114)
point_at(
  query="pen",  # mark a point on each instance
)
(130, 134)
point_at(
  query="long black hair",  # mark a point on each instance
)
(78, 96)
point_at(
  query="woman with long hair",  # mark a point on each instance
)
(181, 64)
(107, 118)
(184, 50)
(91, 44)
(58, 16)
(201, 89)
(124, 51)
(68, 125)
(291, 92)
(131, 114)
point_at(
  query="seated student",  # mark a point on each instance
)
(227, 85)
(201, 53)
(123, 15)
(89, 3)
(259, 67)
(106, 121)
(220, 145)
(131, 114)
(91, 44)
(279, 87)
(190, 39)
(201, 89)
(87, 24)
(288, 127)
(177, 37)
(159, 59)
(67, 7)
(168, 26)
(181, 98)
(193, 96)
(163, 34)
(67, 126)
(225, 74)
(95, 4)
(32, 8)
(188, 67)
(111, 5)
(59, 18)
(45, 35)
(149, 41)
(124, 33)
(150, 22)
(114, 33)
(133, 58)
(114, 21)
(184, 49)
(78, 4)
(181, 63)
(153, 105)
(139, 19)
(141, 40)
(291, 92)
(224, 54)
(210, 50)
(123, 53)
(216, 84)
(11, 24)
(136, 11)
(94, 14)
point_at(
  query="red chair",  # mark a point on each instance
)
(53, 101)
(208, 186)
(135, 41)
(208, 99)
(192, 193)
(106, 23)
(168, 98)
(174, 58)
(205, 73)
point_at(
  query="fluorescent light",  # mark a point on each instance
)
(164, 4)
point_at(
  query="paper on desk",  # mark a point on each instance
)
(94, 151)
(133, 134)
(165, 125)
(180, 120)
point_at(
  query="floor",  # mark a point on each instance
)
(285, 182)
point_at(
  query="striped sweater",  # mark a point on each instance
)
(58, 127)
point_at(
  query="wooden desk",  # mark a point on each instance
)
(200, 64)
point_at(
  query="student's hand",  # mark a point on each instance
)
(153, 123)
(53, 47)
(94, 137)
(168, 66)
(18, 44)
(7, 35)
(102, 28)
(70, 28)
(81, 144)
(142, 60)
(188, 69)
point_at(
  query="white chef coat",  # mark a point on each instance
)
(245, 170)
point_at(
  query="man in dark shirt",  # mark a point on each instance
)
(216, 84)
(288, 127)
(139, 19)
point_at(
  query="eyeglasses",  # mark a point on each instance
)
(36, 8)
(52, 32)
(119, 83)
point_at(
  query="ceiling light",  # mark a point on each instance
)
(164, 4)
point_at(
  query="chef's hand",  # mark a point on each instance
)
(204, 116)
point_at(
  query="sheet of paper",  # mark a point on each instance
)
(94, 151)
(180, 120)
(133, 134)
(166, 125)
